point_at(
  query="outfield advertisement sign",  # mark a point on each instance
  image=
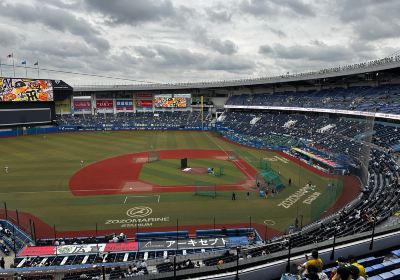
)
(146, 103)
(104, 106)
(124, 104)
(104, 103)
(82, 105)
(78, 249)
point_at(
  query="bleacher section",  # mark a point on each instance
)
(384, 98)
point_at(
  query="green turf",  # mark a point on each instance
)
(40, 168)
(167, 172)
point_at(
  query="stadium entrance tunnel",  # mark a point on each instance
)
(122, 174)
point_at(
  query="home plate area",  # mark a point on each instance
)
(137, 186)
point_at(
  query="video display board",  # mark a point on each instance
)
(170, 102)
(15, 89)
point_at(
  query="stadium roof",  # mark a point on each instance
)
(383, 64)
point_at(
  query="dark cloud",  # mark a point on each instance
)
(58, 48)
(170, 58)
(373, 20)
(218, 16)
(202, 37)
(8, 38)
(57, 19)
(131, 12)
(276, 8)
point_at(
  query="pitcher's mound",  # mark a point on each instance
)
(195, 170)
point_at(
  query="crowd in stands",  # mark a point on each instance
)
(384, 98)
(286, 129)
(167, 119)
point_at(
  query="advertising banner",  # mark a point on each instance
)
(144, 95)
(184, 244)
(169, 102)
(144, 102)
(12, 89)
(121, 247)
(37, 251)
(122, 105)
(78, 249)
(104, 104)
(82, 105)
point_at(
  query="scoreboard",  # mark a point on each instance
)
(29, 101)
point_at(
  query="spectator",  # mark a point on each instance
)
(314, 261)
(361, 269)
(355, 273)
(342, 273)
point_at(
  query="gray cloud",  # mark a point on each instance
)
(57, 19)
(146, 52)
(8, 38)
(316, 51)
(131, 12)
(219, 16)
(59, 48)
(170, 58)
(202, 37)
(373, 20)
(276, 8)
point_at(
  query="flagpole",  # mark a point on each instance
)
(12, 55)
(38, 71)
(1, 69)
(26, 71)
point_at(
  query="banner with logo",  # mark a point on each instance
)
(12, 89)
(78, 249)
(144, 102)
(194, 243)
(104, 104)
(124, 105)
(82, 105)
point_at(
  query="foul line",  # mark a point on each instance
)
(156, 195)
(238, 163)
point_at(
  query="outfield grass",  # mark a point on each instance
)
(167, 172)
(40, 168)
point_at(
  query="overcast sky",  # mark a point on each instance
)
(183, 40)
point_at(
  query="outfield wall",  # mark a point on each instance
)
(12, 132)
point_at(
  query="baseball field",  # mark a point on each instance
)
(78, 182)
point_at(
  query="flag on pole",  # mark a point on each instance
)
(23, 62)
(10, 55)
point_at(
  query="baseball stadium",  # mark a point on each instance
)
(282, 176)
